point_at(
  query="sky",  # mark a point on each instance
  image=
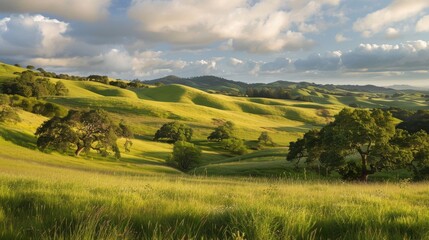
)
(382, 42)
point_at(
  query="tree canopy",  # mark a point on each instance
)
(173, 132)
(185, 155)
(224, 131)
(28, 84)
(363, 132)
(416, 122)
(81, 130)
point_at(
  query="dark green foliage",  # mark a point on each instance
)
(61, 89)
(119, 83)
(400, 113)
(124, 131)
(37, 106)
(185, 155)
(28, 84)
(265, 139)
(224, 131)
(415, 148)
(359, 131)
(98, 78)
(277, 93)
(416, 122)
(8, 114)
(234, 145)
(31, 67)
(82, 130)
(173, 132)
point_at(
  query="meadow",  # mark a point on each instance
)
(41, 201)
(258, 195)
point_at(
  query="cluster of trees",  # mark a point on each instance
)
(83, 131)
(186, 155)
(416, 122)
(33, 105)
(29, 84)
(372, 135)
(224, 133)
(277, 93)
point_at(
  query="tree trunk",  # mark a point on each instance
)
(364, 173)
(78, 150)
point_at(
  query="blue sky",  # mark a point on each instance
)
(381, 42)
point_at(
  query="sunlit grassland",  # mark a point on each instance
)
(41, 201)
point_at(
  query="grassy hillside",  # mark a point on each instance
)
(40, 201)
(258, 195)
(146, 109)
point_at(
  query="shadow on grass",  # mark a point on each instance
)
(18, 138)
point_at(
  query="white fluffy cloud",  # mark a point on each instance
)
(397, 11)
(33, 36)
(70, 9)
(408, 56)
(423, 24)
(262, 26)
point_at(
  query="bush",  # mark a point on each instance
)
(234, 145)
(8, 114)
(185, 155)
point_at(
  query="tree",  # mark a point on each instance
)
(366, 133)
(8, 114)
(222, 132)
(30, 67)
(415, 148)
(185, 155)
(173, 132)
(82, 130)
(61, 89)
(235, 146)
(28, 84)
(124, 131)
(416, 122)
(264, 138)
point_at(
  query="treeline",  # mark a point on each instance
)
(32, 105)
(94, 78)
(275, 93)
(29, 84)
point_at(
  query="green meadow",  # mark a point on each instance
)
(258, 195)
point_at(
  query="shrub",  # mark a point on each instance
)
(185, 155)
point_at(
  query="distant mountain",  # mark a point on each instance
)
(408, 87)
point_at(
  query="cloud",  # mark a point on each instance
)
(423, 24)
(392, 33)
(340, 38)
(280, 65)
(262, 26)
(329, 61)
(412, 56)
(409, 56)
(32, 36)
(397, 11)
(70, 9)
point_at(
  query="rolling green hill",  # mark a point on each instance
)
(257, 195)
(146, 109)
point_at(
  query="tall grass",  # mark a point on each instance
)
(59, 203)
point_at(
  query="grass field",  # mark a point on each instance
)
(258, 195)
(39, 201)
